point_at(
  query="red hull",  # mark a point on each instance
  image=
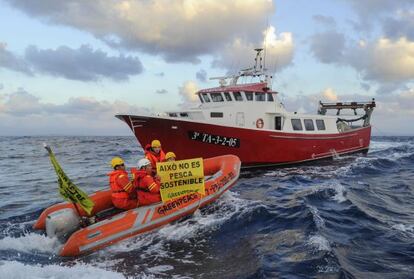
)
(253, 147)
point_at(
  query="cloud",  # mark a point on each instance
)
(187, 92)
(330, 95)
(11, 62)
(22, 113)
(384, 60)
(83, 64)
(201, 75)
(239, 54)
(400, 26)
(161, 91)
(370, 11)
(328, 47)
(1, 86)
(160, 74)
(178, 31)
(326, 21)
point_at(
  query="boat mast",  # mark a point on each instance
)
(258, 70)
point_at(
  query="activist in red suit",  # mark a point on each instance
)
(147, 185)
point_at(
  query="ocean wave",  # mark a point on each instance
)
(319, 242)
(17, 270)
(31, 242)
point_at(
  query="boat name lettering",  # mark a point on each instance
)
(176, 203)
(214, 139)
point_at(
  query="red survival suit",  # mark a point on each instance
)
(148, 188)
(123, 192)
(153, 157)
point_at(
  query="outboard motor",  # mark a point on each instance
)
(62, 223)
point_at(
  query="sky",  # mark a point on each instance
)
(67, 67)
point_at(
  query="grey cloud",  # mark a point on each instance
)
(160, 74)
(201, 75)
(369, 11)
(83, 64)
(181, 32)
(11, 62)
(22, 104)
(400, 27)
(328, 47)
(327, 21)
(161, 91)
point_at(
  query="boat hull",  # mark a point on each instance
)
(254, 147)
(221, 174)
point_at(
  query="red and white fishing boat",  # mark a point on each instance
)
(249, 121)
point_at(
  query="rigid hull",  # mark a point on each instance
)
(255, 147)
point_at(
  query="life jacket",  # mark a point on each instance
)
(148, 189)
(153, 157)
(121, 187)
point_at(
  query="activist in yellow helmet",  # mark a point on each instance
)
(154, 153)
(155, 144)
(117, 161)
(170, 156)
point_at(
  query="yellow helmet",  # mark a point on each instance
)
(169, 155)
(155, 143)
(116, 161)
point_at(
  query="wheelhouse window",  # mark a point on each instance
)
(309, 125)
(237, 96)
(216, 97)
(216, 114)
(201, 99)
(260, 97)
(183, 114)
(269, 97)
(249, 96)
(320, 124)
(296, 124)
(227, 96)
(172, 114)
(206, 97)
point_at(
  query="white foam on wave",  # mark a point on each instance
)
(319, 242)
(17, 270)
(30, 242)
(404, 228)
(340, 192)
(320, 223)
(228, 206)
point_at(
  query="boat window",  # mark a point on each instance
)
(260, 97)
(216, 97)
(227, 96)
(237, 96)
(320, 124)
(172, 114)
(201, 99)
(216, 114)
(269, 97)
(309, 125)
(296, 124)
(184, 114)
(206, 98)
(249, 96)
(278, 123)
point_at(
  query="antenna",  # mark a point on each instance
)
(265, 42)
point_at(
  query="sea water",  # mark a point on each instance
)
(348, 217)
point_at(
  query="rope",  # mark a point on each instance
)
(351, 120)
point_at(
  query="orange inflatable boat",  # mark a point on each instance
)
(112, 225)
